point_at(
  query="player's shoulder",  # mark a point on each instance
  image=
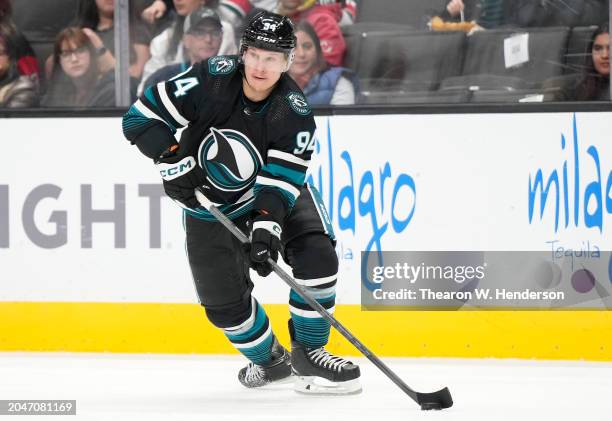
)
(220, 66)
(289, 93)
(215, 75)
(216, 67)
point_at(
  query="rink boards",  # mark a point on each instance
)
(92, 254)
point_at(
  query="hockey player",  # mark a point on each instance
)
(247, 143)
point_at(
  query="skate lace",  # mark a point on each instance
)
(254, 373)
(323, 358)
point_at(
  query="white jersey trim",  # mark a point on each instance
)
(274, 153)
(161, 89)
(278, 183)
(147, 112)
(248, 195)
(180, 74)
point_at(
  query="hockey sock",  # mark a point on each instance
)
(309, 327)
(254, 337)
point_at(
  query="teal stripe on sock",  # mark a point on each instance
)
(260, 354)
(312, 332)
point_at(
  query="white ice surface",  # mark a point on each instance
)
(202, 387)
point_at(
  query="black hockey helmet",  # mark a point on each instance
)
(269, 31)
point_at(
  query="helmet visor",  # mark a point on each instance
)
(258, 59)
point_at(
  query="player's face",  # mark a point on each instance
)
(601, 54)
(262, 69)
(185, 7)
(305, 55)
(75, 61)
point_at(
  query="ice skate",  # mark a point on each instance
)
(319, 372)
(279, 368)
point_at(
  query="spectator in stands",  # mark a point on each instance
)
(349, 9)
(27, 65)
(269, 5)
(97, 16)
(530, 13)
(230, 11)
(16, 91)
(491, 14)
(594, 84)
(156, 10)
(322, 84)
(156, 15)
(236, 11)
(488, 14)
(202, 40)
(76, 80)
(167, 47)
(325, 20)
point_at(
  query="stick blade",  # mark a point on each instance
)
(441, 399)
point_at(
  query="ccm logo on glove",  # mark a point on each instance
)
(265, 243)
(171, 171)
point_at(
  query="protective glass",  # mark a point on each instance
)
(201, 32)
(66, 54)
(599, 49)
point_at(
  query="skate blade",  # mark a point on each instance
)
(286, 380)
(313, 385)
(281, 384)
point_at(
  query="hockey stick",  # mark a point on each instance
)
(435, 400)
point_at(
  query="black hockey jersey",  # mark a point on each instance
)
(253, 155)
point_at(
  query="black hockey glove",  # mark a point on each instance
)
(265, 242)
(181, 176)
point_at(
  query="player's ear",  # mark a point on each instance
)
(241, 52)
(289, 57)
